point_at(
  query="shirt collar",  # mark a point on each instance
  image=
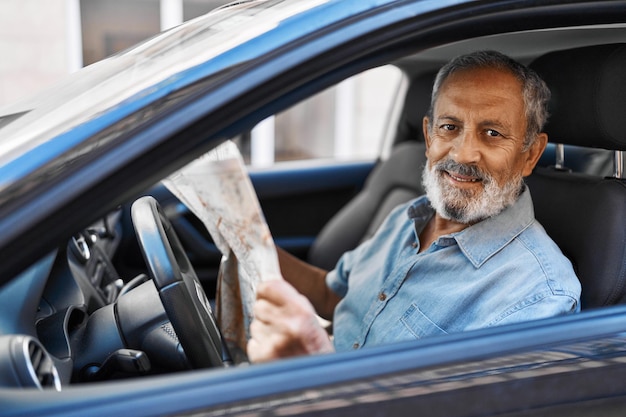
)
(482, 240)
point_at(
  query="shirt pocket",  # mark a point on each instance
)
(419, 325)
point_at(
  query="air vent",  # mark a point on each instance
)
(43, 371)
(25, 363)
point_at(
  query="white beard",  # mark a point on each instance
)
(464, 206)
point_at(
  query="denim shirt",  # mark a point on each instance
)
(504, 269)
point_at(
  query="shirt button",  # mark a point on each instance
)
(382, 296)
(414, 244)
(355, 345)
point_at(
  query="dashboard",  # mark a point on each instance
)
(71, 318)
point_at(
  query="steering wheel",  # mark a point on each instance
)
(183, 298)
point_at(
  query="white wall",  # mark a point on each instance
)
(33, 46)
(41, 41)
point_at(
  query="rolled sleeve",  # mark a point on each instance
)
(337, 279)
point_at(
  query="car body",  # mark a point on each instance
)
(74, 158)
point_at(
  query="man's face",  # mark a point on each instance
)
(475, 145)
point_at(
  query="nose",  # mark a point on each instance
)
(466, 148)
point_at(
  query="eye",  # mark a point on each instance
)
(448, 127)
(493, 133)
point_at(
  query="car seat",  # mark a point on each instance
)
(586, 214)
(393, 181)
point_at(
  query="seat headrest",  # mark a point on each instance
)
(588, 105)
(416, 105)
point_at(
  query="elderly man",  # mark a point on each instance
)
(467, 255)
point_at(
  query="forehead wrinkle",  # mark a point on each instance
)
(495, 123)
(488, 100)
(458, 108)
(450, 118)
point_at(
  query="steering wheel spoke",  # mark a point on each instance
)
(181, 293)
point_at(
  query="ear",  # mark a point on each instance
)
(425, 129)
(534, 153)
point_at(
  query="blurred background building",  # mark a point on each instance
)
(42, 41)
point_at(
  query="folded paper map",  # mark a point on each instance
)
(217, 189)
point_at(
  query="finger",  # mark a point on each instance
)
(257, 352)
(260, 330)
(265, 311)
(266, 343)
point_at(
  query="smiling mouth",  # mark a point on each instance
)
(461, 178)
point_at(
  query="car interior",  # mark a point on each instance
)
(578, 180)
(578, 188)
(574, 182)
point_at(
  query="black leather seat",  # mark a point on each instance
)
(586, 214)
(393, 181)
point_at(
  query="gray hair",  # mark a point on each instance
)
(536, 93)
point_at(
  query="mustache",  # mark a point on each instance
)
(467, 170)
